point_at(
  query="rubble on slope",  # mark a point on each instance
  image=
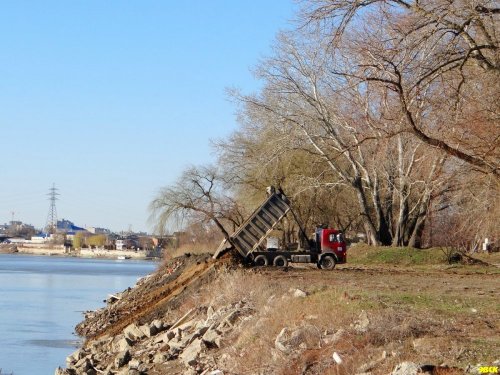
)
(160, 346)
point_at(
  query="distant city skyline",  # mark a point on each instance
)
(110, 101)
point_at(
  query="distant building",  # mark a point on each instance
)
(126, 243)
(40, 238)
(96, 230)
(19, 225)
(67, 226)
(17, 229)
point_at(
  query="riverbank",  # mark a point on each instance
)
(82, 253)
(200, 316)
(61, 251)
(122, 254)
(8, 249)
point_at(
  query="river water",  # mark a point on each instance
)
(42, 299)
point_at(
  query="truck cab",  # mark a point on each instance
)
(330, 242)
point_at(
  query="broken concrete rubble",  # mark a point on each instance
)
(149, 329)
(62, 371)
(191, 353)
(133, 333)
(139, 347)
(75, 357)
(122, 344)
(305, 337)
(122, 359)
(298, 293)
(361, 325)
(332, 338)
(212, 338)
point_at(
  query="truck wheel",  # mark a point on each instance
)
(261, 261)
(327, 262)
(280, 261)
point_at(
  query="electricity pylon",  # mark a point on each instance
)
(51, 226)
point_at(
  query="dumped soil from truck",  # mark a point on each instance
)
(154, 295)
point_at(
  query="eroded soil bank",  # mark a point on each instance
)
(198, 316)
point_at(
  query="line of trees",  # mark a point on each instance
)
(380, 116)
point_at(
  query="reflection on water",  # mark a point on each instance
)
(56, 343)
(42, 299)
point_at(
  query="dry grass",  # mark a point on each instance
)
(430, 317)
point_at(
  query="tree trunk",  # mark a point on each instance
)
(383, 228)
(402, 223)
(370, 230)
(415, 239)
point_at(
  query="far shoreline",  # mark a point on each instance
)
(85, 253)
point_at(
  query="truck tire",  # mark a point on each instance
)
(261, 261)
(280, 261)
(327, 262)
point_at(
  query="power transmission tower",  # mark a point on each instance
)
(51, 226)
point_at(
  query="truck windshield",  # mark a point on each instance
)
(340, 237)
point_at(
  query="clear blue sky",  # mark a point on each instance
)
(110, 100)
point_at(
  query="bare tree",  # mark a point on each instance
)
(441, 56)
(264, 152)
(340, 122)
(199, 194)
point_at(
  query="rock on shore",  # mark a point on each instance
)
(136, 333)
(182, 346)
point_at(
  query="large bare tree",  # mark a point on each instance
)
(440, 56)
(342, 123)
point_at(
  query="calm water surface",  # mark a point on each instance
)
(42, 299)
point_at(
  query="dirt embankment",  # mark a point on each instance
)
(8, 249)
(153, 296)
(197, 316)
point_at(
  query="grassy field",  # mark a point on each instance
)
(433, 258)
(403, 256)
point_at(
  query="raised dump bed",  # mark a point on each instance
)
(248, 237)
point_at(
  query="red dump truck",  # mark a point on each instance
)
(326, 248)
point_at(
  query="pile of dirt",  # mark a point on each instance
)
(153, 295)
